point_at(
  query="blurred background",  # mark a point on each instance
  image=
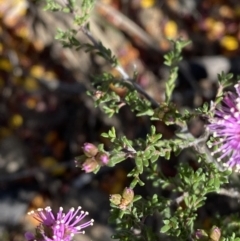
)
(46, 116)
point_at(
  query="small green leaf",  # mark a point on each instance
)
(105, 135)
(165, 228)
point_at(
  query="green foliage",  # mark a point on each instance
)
(68, 39)
(224, 80)
(113, 94)
(70, 6)
(172, 59)
(132, 223)
(52, 6)
(86, 8)
(231, 224)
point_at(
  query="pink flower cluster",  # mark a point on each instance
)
(225, 126)
(60, 227)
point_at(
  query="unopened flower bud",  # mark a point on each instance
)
(128, 194)
(201, 235)
(79, 160)
(90, 165)
(90, 150)
(98, 94)
(215, 234)
(115, 199)
(127, 198)
(102, 158)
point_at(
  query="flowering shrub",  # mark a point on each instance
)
(158, 216)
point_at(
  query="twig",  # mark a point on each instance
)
(179, 199)
(120, 69)
(229, 192)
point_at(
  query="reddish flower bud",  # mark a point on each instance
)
(215, 234)
(90, 165)
(127, 198)
(102, 158)
(128, 194)
(98, 94)
(90, 150)
(201, 235)
(79, 160)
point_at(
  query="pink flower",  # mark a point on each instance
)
(225, 125)
(90, 150)
(60, 227)
(90, 165)
(102, 158)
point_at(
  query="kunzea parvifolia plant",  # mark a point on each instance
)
(216, 152)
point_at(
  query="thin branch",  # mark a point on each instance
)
(229, 192)
(120, 69)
